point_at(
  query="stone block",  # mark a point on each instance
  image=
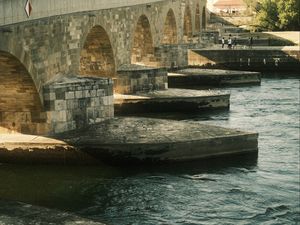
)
(95, 102)
(90, 113)
(93, 93)
(105, 100)
(100, 92)
(49, 96)
(71, 104)
(70, 95)
(60, 127)
(78, 94)
(60, 105)
(58, 116)
(87, 93)
(71, 125)
(59, 94)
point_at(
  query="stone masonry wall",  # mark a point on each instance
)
(135, 79)
(249, 59)
(73, 103)
(51, 46)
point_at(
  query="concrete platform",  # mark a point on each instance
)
(171, 100)
(212, 77)
(129, 139)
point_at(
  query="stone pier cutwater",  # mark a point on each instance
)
(172, 100)
(120, 140)
(195, 77)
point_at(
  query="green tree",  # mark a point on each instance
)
(278, 15)
(288, 14)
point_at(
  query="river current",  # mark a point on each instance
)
(261, 189)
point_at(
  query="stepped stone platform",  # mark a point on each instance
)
(212, 77)
(129, 139)
(171, 100)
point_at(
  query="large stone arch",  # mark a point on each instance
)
(96, 56)
(21, 109)
(142, 51)
(197, 18)
(204, 18)
(170, 29)
(187, 24)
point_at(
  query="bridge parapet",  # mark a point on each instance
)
(13, 11)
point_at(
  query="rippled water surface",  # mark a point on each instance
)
(262, 190)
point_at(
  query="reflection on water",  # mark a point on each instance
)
(242, 190)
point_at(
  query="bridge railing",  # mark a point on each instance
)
(13, 11)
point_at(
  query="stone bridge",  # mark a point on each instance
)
(51, 61)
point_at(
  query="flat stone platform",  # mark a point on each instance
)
(129, 139)
(212, 77)
(171, 100)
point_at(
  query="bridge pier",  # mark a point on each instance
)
(74, 102)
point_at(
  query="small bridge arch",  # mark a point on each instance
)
(142, 51)
(170, 29)
(187, 24)
(96, 56)
(197, 19)
(204, 18)
(21, 109)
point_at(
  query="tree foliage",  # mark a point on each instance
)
(278, 15)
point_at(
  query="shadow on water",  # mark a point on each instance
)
(190, 116)
(70, 188)
(208, 165)
(280, 75)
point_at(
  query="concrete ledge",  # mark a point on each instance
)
(129, 139)
(171, 100)
(208, 77)
(154, 140)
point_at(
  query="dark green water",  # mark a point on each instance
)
(248, 190)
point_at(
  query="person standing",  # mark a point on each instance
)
(229, 42)
(223, 42)
(250, 42)
(234, 43)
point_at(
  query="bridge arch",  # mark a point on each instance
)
(187, 24)
(170, 29)
(142, 51)
(197, 19)
(21, 109)
(204, 17)
(96, 56)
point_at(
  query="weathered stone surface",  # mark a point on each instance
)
(123, 139)
(82, 101)
(212, 77)
(140, 79)
(171, 100)
(161, 140)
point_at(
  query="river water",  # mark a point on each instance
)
(245, 190)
